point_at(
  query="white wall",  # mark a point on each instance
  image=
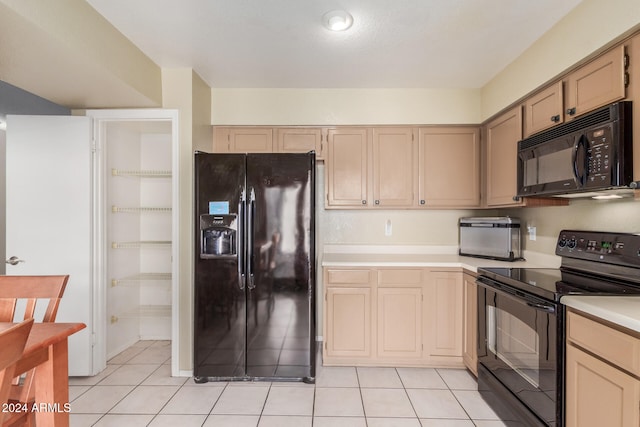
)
(344, 106)
(590, 26)
(583, 214)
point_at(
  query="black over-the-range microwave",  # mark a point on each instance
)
(590, 153)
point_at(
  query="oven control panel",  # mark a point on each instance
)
(613, 248)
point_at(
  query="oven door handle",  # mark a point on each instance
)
(512, 293)
(542, 307)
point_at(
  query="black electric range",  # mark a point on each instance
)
(596, 263)
(521, 321)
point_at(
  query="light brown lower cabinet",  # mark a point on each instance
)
(602, 383)
(399, 329)
(444, 314)
(393, 317)
(470, 343)
(349, 322)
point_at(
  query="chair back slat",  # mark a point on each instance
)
(31, 289)
(7, 308)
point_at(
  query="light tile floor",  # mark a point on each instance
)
(137, 389)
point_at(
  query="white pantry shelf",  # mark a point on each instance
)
(141, 173)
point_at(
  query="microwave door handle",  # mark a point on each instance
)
(580, 175)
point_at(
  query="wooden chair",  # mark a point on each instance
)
(28, 290)
(12, 342)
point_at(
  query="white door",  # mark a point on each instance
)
(49, 218)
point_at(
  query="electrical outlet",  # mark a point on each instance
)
(532, 232)
(387, 228)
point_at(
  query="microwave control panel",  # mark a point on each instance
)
(599, 155)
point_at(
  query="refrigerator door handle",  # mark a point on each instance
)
(242, 278)
(251, 284)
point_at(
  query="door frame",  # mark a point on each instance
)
(100, 118)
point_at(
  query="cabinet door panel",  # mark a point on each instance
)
(351, 277)
(347, 171)
(597, 83)
(348, 322)
(599, 394)
(618, 347)
(250, 140)
(503, 135)
(400, 276)
(470, 343)
(445, 313)
(399, 322)
(544, 109)
(449, 166)
(394, 169)
(300, 140)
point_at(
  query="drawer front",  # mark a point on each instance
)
(351, 277)
(612, 345)
(400, 276)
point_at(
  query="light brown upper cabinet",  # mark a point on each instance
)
(300, 140)
(395, 167)
(371, 167)
(503, 134)
(347, 174)
(544, 109)
(251, 139)
(449, 166)
(243, 140)
(597, 83)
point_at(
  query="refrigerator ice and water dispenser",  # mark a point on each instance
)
(218, 236)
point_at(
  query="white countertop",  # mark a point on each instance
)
(418, 256)
(621, 310)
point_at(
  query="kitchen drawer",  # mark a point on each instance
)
(351, 277)
(400, 276)
(612, 345)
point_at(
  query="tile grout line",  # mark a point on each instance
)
(408, 397)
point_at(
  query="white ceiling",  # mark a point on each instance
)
(282, 43)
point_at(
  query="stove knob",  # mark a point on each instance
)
(572, 243)
(562, 243)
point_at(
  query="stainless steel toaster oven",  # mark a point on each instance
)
(491, 237)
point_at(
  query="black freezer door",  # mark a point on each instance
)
(219, 298)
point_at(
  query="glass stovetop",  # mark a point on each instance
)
(553, 283)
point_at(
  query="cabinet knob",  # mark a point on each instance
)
(377, 202)
(364, 202)
(571, 111)
(555, 118)
(422, 202)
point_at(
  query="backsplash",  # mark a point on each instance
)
(440, 227)
(583, 214)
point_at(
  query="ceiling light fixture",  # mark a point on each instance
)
(337, 20)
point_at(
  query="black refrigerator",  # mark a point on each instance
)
(254, 276)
